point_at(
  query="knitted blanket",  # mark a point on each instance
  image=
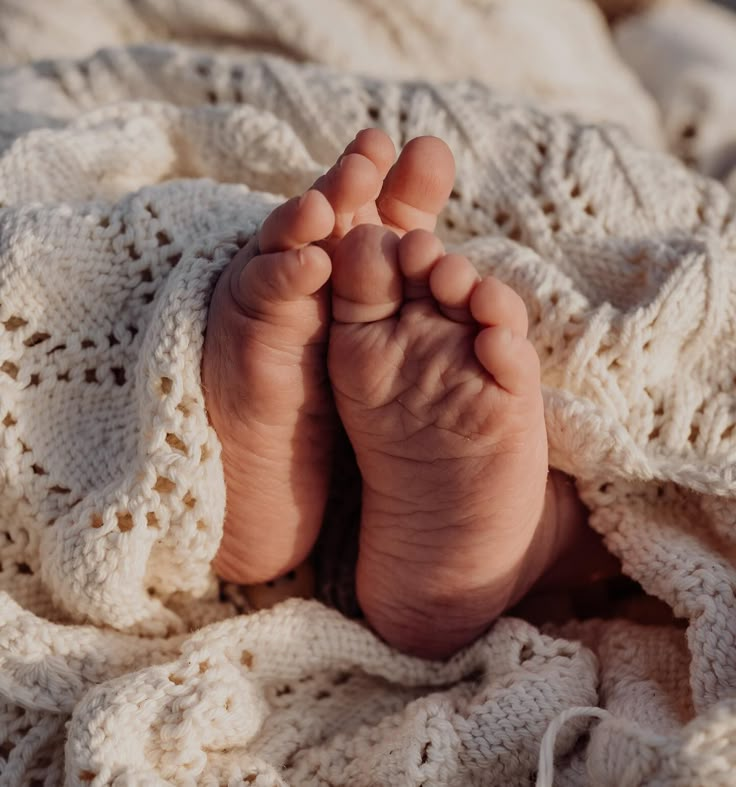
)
(128, 178)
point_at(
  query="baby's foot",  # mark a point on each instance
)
(439, 392)
(264, 363)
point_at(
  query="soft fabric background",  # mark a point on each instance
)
(128, 178)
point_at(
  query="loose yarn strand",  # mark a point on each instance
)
(546, 766)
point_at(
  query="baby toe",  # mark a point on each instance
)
(495, 303)
(419, 250)
(511, 359)
(452, 282)
(350, 185)
(375, 145)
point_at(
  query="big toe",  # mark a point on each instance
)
(366, 281)
(417, 186)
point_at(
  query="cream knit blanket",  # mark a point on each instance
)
(127, 181)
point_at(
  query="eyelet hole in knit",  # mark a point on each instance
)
(689, 131)
(176, 442)
(14, 322)
(125, 521)
(10, 369)
(36, 338)
(526, 652)
(164, 485)
(424, 757)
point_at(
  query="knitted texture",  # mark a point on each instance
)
(127, 181)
